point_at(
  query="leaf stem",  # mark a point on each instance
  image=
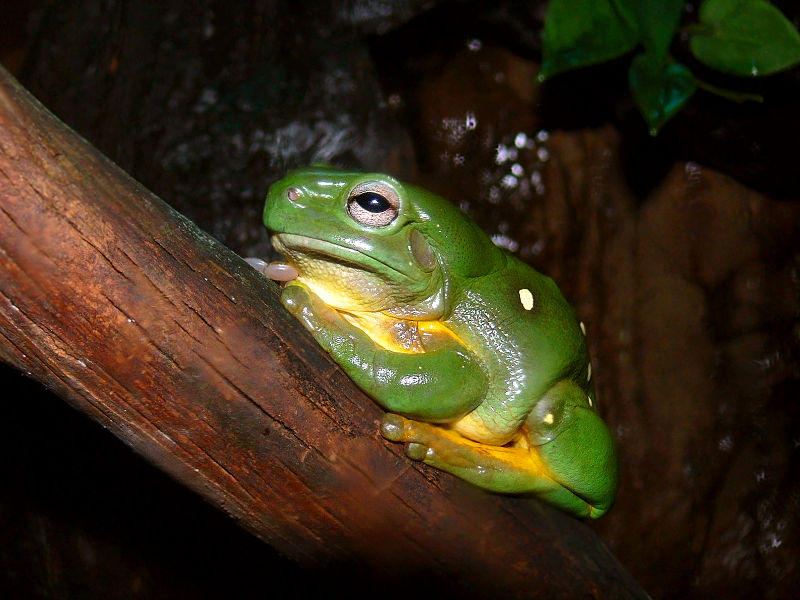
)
(733, 95)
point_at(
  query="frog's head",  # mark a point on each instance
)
(364, 242)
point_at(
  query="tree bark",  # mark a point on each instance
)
(152, 328)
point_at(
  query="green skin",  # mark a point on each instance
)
(497, 388)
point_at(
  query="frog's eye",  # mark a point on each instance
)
(373, 203)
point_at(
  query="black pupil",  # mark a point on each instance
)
(372, 202)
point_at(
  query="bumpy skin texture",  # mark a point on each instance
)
(478, 358)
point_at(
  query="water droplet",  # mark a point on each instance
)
(501, 154)
(543, 136)
(208, 98)
(503, 241)
(474, 45)
(726, 444)
(509, 182)
(693, 171)
(470, 121)
(520, 140)
(517, 169)
(754, 70)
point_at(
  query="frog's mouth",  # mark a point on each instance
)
(292, 246)
(348, 278)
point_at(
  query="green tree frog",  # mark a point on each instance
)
(478, 358)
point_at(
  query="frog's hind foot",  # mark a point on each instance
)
(399, 429)
(516, 469)
(441, 447)
(393, 427)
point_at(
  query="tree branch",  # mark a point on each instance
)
(140, 320)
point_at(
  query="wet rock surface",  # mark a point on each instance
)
(693, 301)
(206, 105)
(691, 297)
(688, 280)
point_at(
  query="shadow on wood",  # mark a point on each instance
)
(158, 332)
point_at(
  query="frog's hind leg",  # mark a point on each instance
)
(574, 470)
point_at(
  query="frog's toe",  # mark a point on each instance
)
(294, 297)
(399, 429)
(393, 427)
(416, 451)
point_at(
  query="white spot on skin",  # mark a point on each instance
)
(526, 298)
(548, 418)
(583, 328)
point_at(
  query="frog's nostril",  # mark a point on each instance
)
(293, 194)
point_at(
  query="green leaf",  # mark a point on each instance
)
(578, 33)
(659, 88)
(745, 37)
(658, 21)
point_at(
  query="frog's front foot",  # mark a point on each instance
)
(295, 298)
(316, 316)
